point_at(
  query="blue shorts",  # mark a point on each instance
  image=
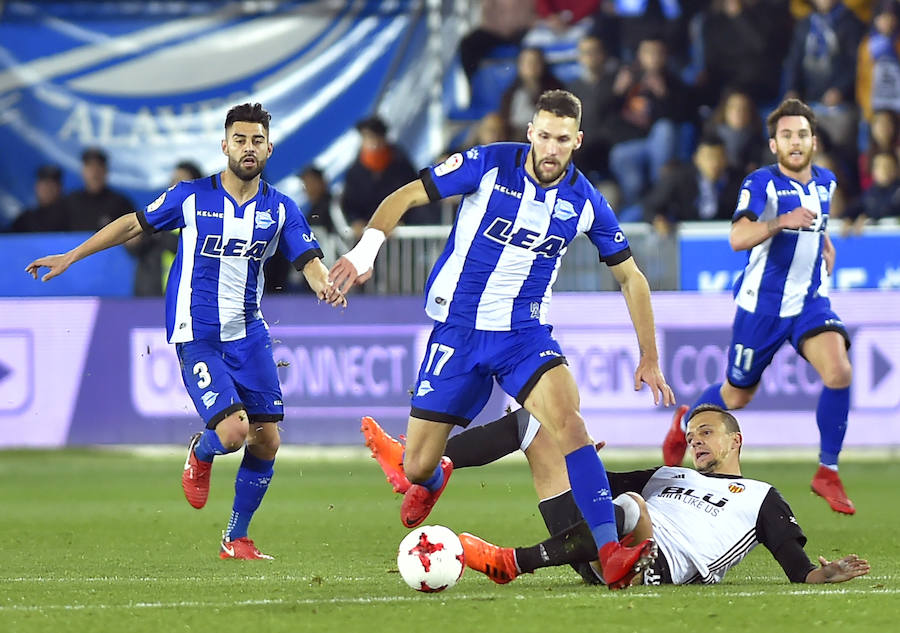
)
(223, 377)
(756, 338)
(457, 374)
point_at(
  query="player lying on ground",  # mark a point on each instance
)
(704, 521)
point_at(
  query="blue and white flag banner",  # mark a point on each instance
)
(150, 83)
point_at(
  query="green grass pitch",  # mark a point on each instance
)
(96, 540)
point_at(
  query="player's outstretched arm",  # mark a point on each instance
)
(316, 275)
(841, 570)
(355, 268)
(637, 296)
(116, 232)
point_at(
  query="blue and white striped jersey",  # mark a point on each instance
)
(504, 252)
(217, 280)
(786, 270)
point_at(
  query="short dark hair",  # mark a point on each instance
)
(711, 137)
(312, 170)
(191, 168)
(790, 107)
(730, 422)
(49, 172)
(561, 103)
(248, 112)
(94, 154)
(374, 124)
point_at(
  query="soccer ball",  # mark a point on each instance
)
(431, 558)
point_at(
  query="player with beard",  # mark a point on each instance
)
(489, 294)
(231, 223)
(782, 295)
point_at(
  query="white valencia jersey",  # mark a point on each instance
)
(706, 524)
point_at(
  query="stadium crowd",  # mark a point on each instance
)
(674, 93)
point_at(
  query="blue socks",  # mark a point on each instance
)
(590, 487)
(252, 481)
(831, 417)
(711, 395)
(436, 480)
(209, 446)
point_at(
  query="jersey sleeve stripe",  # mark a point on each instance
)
(430, 188)
(142, 220)
(617, 258)
(306, 257)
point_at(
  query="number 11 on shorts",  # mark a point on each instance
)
(743, 357)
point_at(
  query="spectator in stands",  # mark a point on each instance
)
(882, 199)
(739, 125)
(155, 252)
(634, 21)
(737, 50)
(594, 87)
(491, 128)
(503, 23)
(379, 169)
(884, 134)
(560, 26)
(318, 199)
(49, 214)
(650, 101)
(95, 206)
(704, 189)
(878, 62)
(820, 69)
(533, 78)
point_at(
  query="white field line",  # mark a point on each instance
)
(418, 597)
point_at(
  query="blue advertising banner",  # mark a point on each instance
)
(870, 260)
(99, 371)
(150, 83)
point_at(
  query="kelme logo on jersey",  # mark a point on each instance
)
(501, 230)
(234, 247)
(563, 210)
(263, 219)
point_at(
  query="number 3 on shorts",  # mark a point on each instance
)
(202, 372)
(445, 352)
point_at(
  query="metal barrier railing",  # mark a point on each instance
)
(406, 259)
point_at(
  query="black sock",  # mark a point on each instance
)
(574, 545)
(572, 542)
(487, 443)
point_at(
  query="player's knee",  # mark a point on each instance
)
(265, 444)
(233, 430)
(838, 376)
(632, 505)
(569, 432)
(737, 398)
